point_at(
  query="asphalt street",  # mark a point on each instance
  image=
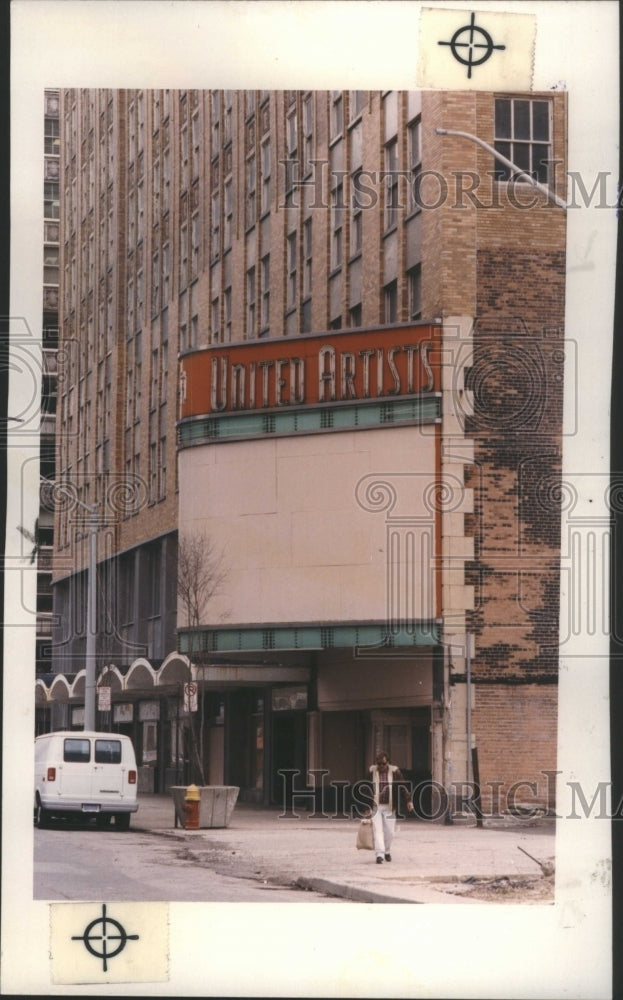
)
(264, 854)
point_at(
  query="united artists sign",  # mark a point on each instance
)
(321, 369)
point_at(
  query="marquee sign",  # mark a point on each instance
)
(336, 367)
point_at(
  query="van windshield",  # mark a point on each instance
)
(77, 751)
(108, 751)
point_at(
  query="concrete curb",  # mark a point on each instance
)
(347, 891)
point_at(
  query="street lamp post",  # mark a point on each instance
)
(90, 679)
(89, 683)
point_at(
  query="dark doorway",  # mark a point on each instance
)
(289, 754)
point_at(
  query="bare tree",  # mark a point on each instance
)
(201, 574)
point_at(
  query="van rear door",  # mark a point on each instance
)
(109, 770)
(74, 777)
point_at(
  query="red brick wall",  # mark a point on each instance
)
(515, 731)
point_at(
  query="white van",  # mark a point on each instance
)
(85, 775)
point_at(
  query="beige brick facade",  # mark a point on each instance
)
(193, 218)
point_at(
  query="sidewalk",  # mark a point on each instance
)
(431, 862)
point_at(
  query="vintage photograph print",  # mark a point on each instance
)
(301, 478)
(313, 558)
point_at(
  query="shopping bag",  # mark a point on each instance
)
(365, 836)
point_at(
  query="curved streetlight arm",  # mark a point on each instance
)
(507, 163)
(90, 508)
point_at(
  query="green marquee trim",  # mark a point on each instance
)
(307, 637)
(361, 415)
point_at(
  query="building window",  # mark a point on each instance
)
(414, 143)
(355, 315)
(216, 121)
(183, 256)
(229, 208)
(306, 316)
(166, 180)
(308, 129)
(183, 319)
(356, 103)
(154, 396)
(216, 225)
(215, 321)
(523, 135)
(163, 466)
(156, 191)
(251, 189)
(414, 276)
(337, 209)
(166, 273)
(251, 302)
(390, 302)
(265, 287)
(193, 337)
(184, 157)
(141, 212)
(153, 472)
(391, 182)
(132, 132)
(292, 255)
(156, 112)
(50, 265)
(307, 257)
(196, 140)
(51, 201)
(291, 135)
(356, 216)
(337, 114)
(141, 121)
(52, 131)
(155, 284)
(265, 205)
(195, 236)
(227, 115)
(227, 315)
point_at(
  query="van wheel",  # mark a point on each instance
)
(42, 816)
(122, 821)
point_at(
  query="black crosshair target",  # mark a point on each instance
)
(117, 934)
(473, 58)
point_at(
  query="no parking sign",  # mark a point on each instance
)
(190, 697)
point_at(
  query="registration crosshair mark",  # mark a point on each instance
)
(120, 938)
(471, 45)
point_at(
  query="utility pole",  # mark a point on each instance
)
(90, 678)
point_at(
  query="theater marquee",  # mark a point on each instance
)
(326, 382)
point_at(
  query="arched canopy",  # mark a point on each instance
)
(111, 677)
(174, 670)
(41, 693)
(79, 684)
(60, 689)
(140, 675)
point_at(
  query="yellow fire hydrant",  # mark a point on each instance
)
(191, 808)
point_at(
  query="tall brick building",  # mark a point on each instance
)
(312, 328)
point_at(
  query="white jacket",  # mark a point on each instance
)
(376, 781)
